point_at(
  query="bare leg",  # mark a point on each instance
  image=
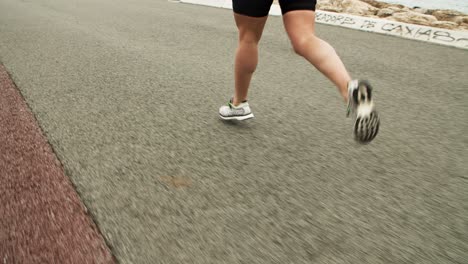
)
(300, 26)
(250, 32)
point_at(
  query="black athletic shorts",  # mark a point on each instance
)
(261, 8)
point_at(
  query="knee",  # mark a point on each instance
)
(303, 44)
(248, 40)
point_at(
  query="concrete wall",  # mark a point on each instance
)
(441, 36)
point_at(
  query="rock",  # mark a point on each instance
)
(398, 9)
(414, 18)
(420, 10)
(357, 7)
(376, 4)
(444, 24)
(329, 8)
(329, 5)
(446, 15)
(385, 12)
(448, 19)
(463, 26)
(457, 19)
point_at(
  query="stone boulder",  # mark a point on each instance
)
(414, 18)
(420, 10)
(448, 19)
(377, 4)
(449, 15)
(463, 26)
(444, 24)
(354, 7)
(329, 7)
(357, 7)
(446, 15)
(388, 11)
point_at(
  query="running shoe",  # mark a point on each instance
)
(361, 107)
(238, 112)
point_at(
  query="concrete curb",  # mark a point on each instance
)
(458, 39)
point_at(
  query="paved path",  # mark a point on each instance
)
(42, 218)
(127, 93)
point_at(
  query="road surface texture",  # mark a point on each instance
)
(127, 93)
(42, 218)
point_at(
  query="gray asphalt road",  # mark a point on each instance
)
(128, 91)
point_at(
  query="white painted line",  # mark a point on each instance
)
(441, 36)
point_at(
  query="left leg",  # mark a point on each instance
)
(300, 26)
(299, 21)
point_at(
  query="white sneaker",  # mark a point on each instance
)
(239, 112)
(361, 105)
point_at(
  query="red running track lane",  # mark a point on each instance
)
(42, 219)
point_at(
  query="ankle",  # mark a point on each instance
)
(236, 102)
(344, 90)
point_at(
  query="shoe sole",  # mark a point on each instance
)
(239, 118)
(366, 128)
(367, 124)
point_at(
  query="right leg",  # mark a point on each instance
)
(250, 17)
(250, 32)
(300, 25)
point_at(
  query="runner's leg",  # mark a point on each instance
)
(246, 60)
(300, 26)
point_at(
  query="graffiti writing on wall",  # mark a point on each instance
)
(395, 28)
(334, 19)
